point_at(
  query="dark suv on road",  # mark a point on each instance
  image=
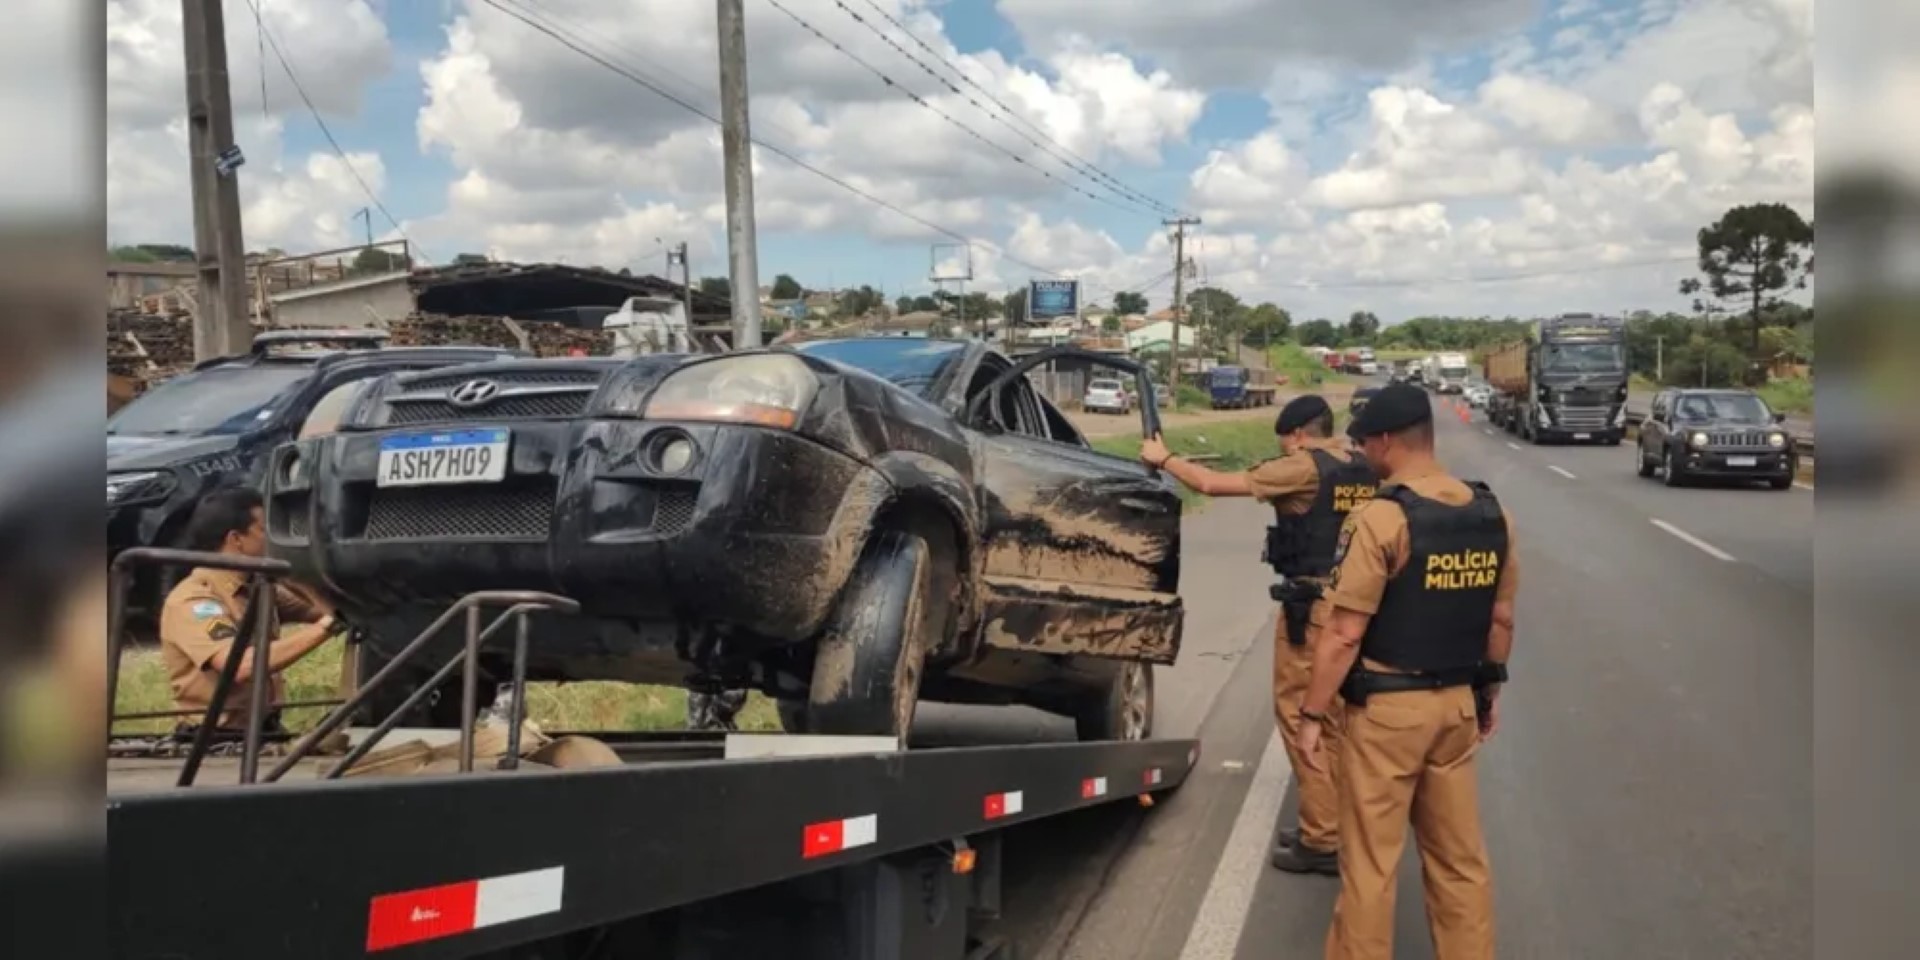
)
(1718, 435)
(214, 426)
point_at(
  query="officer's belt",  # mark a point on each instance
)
(1362, 683)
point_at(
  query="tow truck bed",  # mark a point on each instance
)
(467, 865)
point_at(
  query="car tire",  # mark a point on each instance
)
(1121, 711)
(867, 663)
(1780, 483)
(1670, 471)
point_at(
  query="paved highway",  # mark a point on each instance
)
(1649, 796)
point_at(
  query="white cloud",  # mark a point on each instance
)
(339, 48)
(1552, 113)
(1258, 183)
(1422, 149)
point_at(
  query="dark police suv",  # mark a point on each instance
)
(1718, 435)
(214, 426)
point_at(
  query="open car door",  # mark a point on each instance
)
(1082, 547)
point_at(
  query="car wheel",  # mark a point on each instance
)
(866, 667)
(1670, 471)
(1780, 483)
(1122, 711)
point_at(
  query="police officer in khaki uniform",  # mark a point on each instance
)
(1414, 636)
(203, 614)
(1311, 488)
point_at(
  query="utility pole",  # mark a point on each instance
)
(686, 279)
(736, 145)
(366, 213)
(1179, 226)
(220, 324)
(1659, 359)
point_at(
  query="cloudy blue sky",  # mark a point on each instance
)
(1404, 156)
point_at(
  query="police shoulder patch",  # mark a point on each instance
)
(207, 609)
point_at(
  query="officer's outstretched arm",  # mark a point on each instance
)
(1211, 483)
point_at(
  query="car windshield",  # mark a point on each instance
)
(1106, 386)
(1728, 407)
(1453, 371)
(219, 400)
(909, 363)
(1583, 356)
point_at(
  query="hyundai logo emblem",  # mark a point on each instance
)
(473, 393)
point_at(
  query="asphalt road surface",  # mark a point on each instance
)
(1649, 794)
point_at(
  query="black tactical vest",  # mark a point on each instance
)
(1437, 610)
(1301, 545)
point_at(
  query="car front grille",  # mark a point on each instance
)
(673, 512)
(509, 379)
(516, 511)
(1583, 417)
(524, 407)
(1739, 439)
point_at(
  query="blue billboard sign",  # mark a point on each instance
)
(1048, 299)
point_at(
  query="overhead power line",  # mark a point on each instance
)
(286, 65)
(1471, 280)
(1011, 154)
(1052, 147)
(634, 76)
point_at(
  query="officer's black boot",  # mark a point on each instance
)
(1286, 838)
(1300, 858)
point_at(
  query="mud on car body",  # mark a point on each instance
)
(849, 525)
(215, 426)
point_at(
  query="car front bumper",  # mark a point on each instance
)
(755, 536)
(1765, 465)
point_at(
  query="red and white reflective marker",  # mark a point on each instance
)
(1095, 787)
(1152, 778)
(398, 919)
(1005, 804)
(835, 836)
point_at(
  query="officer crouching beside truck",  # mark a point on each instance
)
(1312, 488)
(1417, 628)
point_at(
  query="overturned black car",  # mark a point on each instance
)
(848, 525)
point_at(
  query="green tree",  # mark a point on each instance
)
(1110, 324)
(857, 303)
(1748, 258)
(1706, 361)
(1128, 303)
(376, 260)
(1013, 306)
(786, 287)
(130, 254)
(903, 304)
(1268, 324)
(1319, 333)
(1362, 325)
(921, 303)
(716, 287)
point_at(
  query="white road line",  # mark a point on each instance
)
(1487, 430)
(1705, 547)
(1562, 472)
(1803, 486)
(1223, 914)
(1512, 446)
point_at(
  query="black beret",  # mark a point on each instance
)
(1393, 409)
(1299, 412)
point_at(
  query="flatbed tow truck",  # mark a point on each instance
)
(696, 845)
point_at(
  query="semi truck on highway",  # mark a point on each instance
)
(1446, 372)
(1235, 387)
(1566, 381)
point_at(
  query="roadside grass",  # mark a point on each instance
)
(1232, 445)
(1789, 396)
(596, 705)
(1400, 353)
(1301, 367)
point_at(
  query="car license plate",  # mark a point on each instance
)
(1583, 436)
(457, 456)
(1741, 461)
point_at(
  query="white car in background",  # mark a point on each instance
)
(1107, 396)
(1478, 394)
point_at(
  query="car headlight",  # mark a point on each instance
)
(768, 390)
(1699, 439)
(138, 487)
(1777, 440)
(332, 409)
